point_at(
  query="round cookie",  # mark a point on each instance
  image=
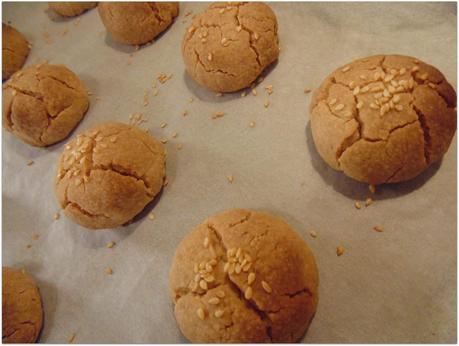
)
(71, 9)
(383, 119)
(243, 277)
(230, 44)
(15, 50)
(108, 174)
(43, 103)
(22, 312)
(137, 22)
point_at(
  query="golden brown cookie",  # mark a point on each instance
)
(15, 50)
(43, 103)
(108, 174)
(22, 312)
(71, 9)
(137, 22)
(243, 277)
(230, 44)
(383, 119)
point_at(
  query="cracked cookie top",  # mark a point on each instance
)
(43, 103)
(230, 44)
(383, 119)
(137, 22)
(243, 276)
(71, 8)
(15, 50)
(108, 174)
(22, 312)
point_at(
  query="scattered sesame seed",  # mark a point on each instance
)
(351, 84)
(151, 216)
(267, 103)
(416, 61)
(217, 115)
(339, 107)
(219, 313)
(206, 242)
(109, 271)
(373, 106)
(30, 163)
(255, 36)
(209, 56)
(204, 40)
(111, 245)
(224, 40)
(174, 134)
(190, 99)
(307, 90)
(378, 228)
(203, 284)
(347, 68)
(359, 105)
(254, 92)
(164, 141)
(226, 267)
(221, 10)
(339, 250)
(313, 234)
(201, 314)
(248, 294)
(362, 77)
(35, 236)
(220, 294)
(266, 286)
(185, 113)
(250, 278)
(238, 28)
(252, 124)
(356, 90)
(163, 125)
(415, 68)
(357, 205)
(332, 101)
(399, 108)
(28, 246)
(432, 85)
(368, 201)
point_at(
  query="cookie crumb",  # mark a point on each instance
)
(378, 228)
(151, 216)
(217, 115)
(307, 90)
(110, 244)
(372, 188)
(56, 216)
(71, 338)
(357, 205)
(368, 201)
(185, 113)
(313, 234)
(267, 103)
(109, 271)
(230, 178)
(339, 250)
(30, 163)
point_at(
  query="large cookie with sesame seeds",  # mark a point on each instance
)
(15, 50)
(383, 119)
(108, 174)
(243, 277)
(230, 44)
(43, 103)
(22, 312)
(137, 22)
(71, 8)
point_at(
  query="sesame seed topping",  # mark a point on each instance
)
(248, 294)
(362, 77)
(368, 201)
(201, 314)
(307, 90)
(432, 85)
(345, 69)
(209, 278)
(214, 301)
(217, 115)
(204, 40)
(250, 278)
(163, 125)
(243, 94)
(378, 228)
(351, 84)
(219, 313)
(255, 36)
(71, 338)
(266, 287)
(416, 61)
(339, 250)
(402, 71)
(357, 205)
(221, 10)
(356, 90)
(339, 107)
(226, 267)
(203, 284)
(254, 92)
(224, 40)
(359, 105)
(206, 242)
(396, 98)
(220, 294)
(238, 28)
(373, 106)
(365, 89)
(399, 108)
(415, 68)
(209, 56)
(332, 101)
(30, 163)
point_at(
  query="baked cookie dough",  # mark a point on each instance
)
(22, 312)
(43, 103)
(137, 22)
(230, 44)
(243, 277)
(383, 119)
(15, 50)
(108, 174)
(72, 8)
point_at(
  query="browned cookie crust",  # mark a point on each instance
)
(22, 312)
(43, 103)
(383, 119)
(108, 174)
(230, 44)
(15, 50)
(71, 9)
(243, 276)
(137, 22)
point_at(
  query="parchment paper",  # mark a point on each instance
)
(395, 286)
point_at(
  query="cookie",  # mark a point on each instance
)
(229, 45)
(108, 174)
(137, 22)
(243, 277)
(15, 50)
(43, 103)
(383, 119)
(22, 312)
(71, 9)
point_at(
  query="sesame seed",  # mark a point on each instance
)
(386, 93)
(415, 68)
(332, 101)
(373, 106)
(266, 286)
(351, 84)
(250, 278)
(209, 56)
(238, 268)
(357, 205)
(254, 92)
(399, 108)
(220, 294)
(356, 90)
(214, 301)
(217, 115)
(14, 92)
(402, 71)
(238, 28)
(201, 314)
(432, 85)
(339, 250)
(365, 89)
(206, 242)
(224, 40)
(164, 141)
(391, 89)
(30, 163)
(219, 313)
(221, 10)
(396, 98)
(113, 139)
(209, 278)
(179, 146)
(376, 76)
(388, 78)
(362, 77)
(109, 271)
(248, 294)
(226, 267)
(197, 278)
(368, 201)
(151, 216)
(56, 216)
(243, 94)
(230, 178)
(204, 40)
(416, 61)
(163, 125)
(307, 90)
(345, 69)
(110, 245)
(246, 267)
(313, 234)
(378, 228)
(203, 284)
(78, 182)
(372, 188)
(359, 104)
(267, 103)
(339, 107)
(252, 124)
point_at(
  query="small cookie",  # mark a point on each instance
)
(383, 119)
(43, 103)
(22, 312)
(108, 174)
(15, 50)
(137, 22)
(243, 277)
(230, 44)
(71, 9)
